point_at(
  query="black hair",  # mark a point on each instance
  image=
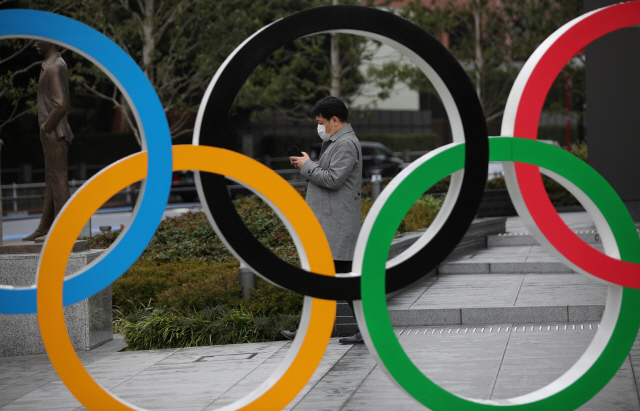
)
(329, 107)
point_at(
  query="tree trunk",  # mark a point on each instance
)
(336, 67)
(478, 50)
(148, 43)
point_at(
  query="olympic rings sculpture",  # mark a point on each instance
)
(373, 276)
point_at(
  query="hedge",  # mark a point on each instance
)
(184, 289)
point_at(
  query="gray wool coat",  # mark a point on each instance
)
(333, 192)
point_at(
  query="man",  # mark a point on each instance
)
(53, 106)
(334, 186)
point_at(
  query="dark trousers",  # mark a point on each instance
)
(343, 266)
(56, 192)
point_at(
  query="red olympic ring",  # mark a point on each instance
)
(522, 115)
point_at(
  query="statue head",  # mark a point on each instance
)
(44, 47)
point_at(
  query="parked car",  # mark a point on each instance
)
(374, 156)
(184, 184)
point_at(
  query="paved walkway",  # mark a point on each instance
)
(505, 284)
(483, 362)
(492, 359)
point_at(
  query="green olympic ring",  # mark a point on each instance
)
(620, 321)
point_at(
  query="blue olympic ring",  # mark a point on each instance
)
(154, 132)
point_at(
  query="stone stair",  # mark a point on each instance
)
(511, 280)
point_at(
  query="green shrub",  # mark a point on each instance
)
(186, 237)
(269, 300)
(103, 240)
(191, 237)
(184, 285)
(496, 183)
(420, 215)
(441, 186)
(162, 300)
(580, 151)
(173, 328)
(557, 193)
(195, 285)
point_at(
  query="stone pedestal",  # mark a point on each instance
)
(88, 321)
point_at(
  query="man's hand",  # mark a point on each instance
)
(298, 162)
(43, 129)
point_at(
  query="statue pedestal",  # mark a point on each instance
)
(88, 321)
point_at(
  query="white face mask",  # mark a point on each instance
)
(323, 134)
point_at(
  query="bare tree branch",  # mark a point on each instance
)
(17, 53)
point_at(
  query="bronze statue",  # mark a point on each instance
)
(53, 106)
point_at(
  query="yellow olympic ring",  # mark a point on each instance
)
(318, 315)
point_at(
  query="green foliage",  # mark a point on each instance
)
(432, 201)
(190, 236)
(420, 215)
(18, 67)
(508, 32)
(164, 299)
(267, 228)
(186, 237)
(269, 300)
(294, 77)
(195, 285)
(186, 285)
(496, 183)
(171, 328)
(103, 240)
(557, 193)
(441, 186)
(580, 150)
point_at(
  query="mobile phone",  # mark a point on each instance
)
(294, 152)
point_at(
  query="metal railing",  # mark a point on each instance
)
(12, 198)
(15, 198)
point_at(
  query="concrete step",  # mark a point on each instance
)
(472, 299)
(461, 267)
(495, 315)
(513, 239)
(523, 259)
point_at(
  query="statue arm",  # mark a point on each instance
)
(58, 82)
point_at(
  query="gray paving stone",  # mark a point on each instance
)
(437, 316)
(336, 386)
(568, 289)
(403, 299)
(529, 267)
(469, 291)
(464, 268)
(579, 313)
(513, 315)
(497, 362)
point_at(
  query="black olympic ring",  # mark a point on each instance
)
(215, 131)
